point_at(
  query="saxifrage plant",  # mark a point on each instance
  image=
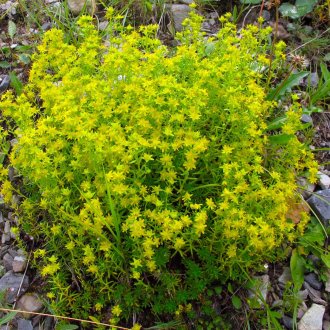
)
(150, 173)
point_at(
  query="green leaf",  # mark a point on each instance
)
(325, 72)
(297, 267)
(7, 318)
(314, 234)
(11, 29)
(287, 84)
(209, 48)
(15, 83)
(305, 6)
(280, 138)
(230, 288)
(326, 57)
(276, 123)
(326, 259)
(4, 65)
(23, 48)
(66, 326)
(288, 10)
(251, 2)
(24, 58)
(237, 302)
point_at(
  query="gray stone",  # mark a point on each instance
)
(285, 277)
(4, 83)
(7, 227)
(1, 217)
(266, 15)
(315, 295)
(324, 180)
(14, 253)
(19, 264)
(327, 283)
(103, 25)
(23, 324)
(287, 322)
(320, 203)
(312, 320)
(261, 288)
(11, 283)
(313, 281)
(306, 119)
(46, 26)
(8, 261)
(303, 294)
(302, 310)
(3, 250)
(178, 13)
(29, 302)
(5, 238)
(313, 79)
(76, 6)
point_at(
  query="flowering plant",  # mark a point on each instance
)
(152, 170)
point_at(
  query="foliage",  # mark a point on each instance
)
(299, 9)
(150, 173)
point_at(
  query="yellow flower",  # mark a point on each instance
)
(116, 310)
(179, 243)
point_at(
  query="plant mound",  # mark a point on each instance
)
(151, 174)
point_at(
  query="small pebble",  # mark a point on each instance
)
(4, 83)
(7, 227)
(306, 119)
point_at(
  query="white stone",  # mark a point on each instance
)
(19, 264)
(312, 319)
(76, 6)
(324, 180)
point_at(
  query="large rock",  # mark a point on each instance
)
(11, 283)
(320, 203)
(178, 13)
(29, 302)
(76, 6)
(312, 319)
